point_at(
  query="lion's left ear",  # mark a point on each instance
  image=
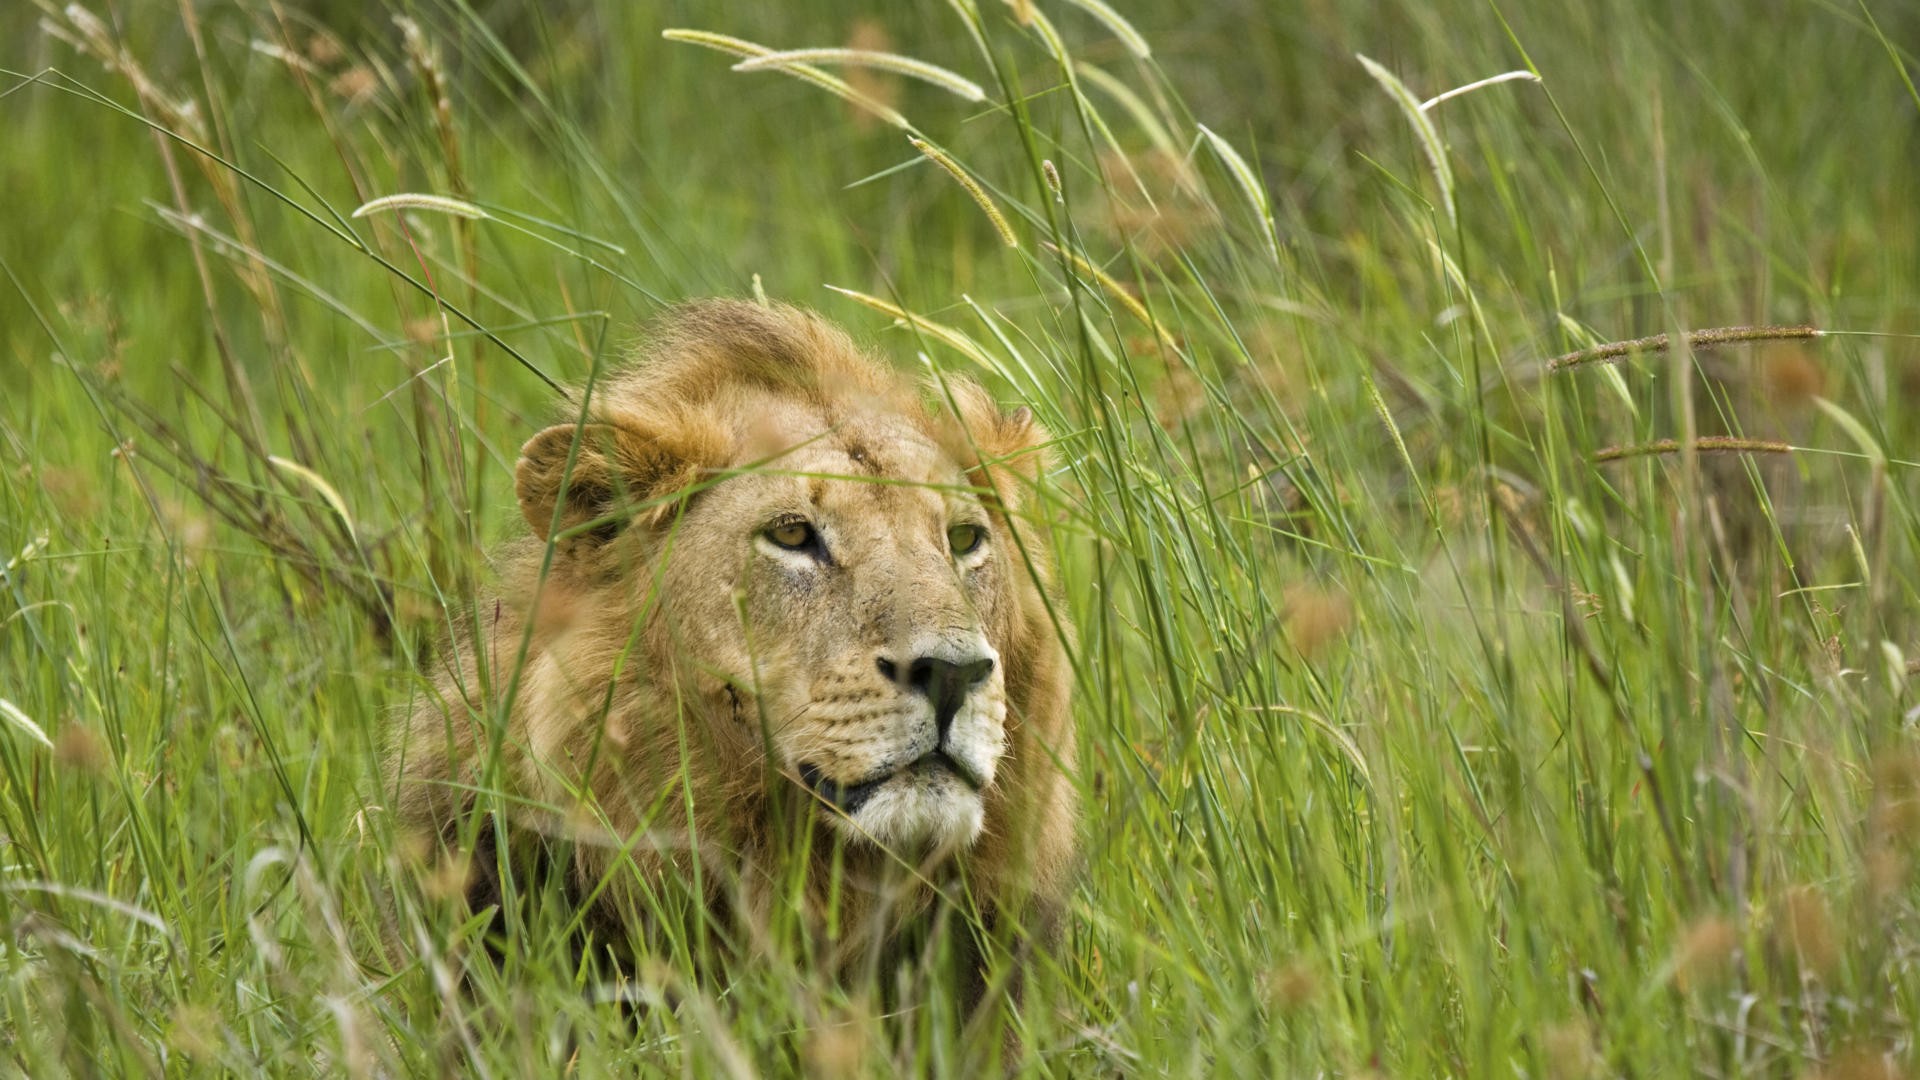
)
(570, 475)
(1005, 451)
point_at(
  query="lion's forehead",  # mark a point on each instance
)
(880, 474)
(881, 447)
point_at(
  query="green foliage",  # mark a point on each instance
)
(1440, 713)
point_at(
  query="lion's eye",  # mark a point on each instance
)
(792, 535)
(966, 539)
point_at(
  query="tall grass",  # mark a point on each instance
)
(1443, 709)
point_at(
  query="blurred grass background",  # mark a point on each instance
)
(1440, 713)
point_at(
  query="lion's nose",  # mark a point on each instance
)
(945, 682)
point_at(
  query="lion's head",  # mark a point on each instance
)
(777, 567)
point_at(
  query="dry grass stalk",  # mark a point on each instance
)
(1706, 444)
(1614, 351)
(1491, 80)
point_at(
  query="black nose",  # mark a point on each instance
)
(944, 682)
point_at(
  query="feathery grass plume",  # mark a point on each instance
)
(1868, 1062)
(1423, 129)
(80, 750)
(868, 34)
(1117, 24)
(1790, 376)
(1491, 80)
(91, 34)
(1614, 351)
(13, 715)
(1386, 417)
(424, 57)
(1114, 289)
(1052, 175)
(1569, 1051)
(1292, 985)
(1706, 444)
(951, 81)
(1803, 929)
(805, 72)
(33, 548)
(1893, 816)
(956, 340)
(1703, 953)
(1315, 617)
(1023, 11)
(1250, 186)
(284, 55)
(974, 190)
(439, 204)
(319, 484)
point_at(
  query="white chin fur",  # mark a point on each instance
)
(920, 813)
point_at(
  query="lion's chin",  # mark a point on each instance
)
(920, 811)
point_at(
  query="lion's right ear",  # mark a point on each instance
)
(573, 474)
(1008, 450)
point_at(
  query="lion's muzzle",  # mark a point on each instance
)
(918, 772)
(946, 683)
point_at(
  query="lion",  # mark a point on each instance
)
(777, 603)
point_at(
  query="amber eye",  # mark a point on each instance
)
(792, 535)
(966, 539)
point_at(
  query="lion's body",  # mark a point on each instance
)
(669, 679)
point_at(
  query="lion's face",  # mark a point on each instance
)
(843, 601)
(779, 566)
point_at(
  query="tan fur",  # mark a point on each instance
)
(665, 642)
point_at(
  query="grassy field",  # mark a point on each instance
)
(1445, 709)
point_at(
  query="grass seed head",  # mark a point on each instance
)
(325, 49)
(1804, 930)
(1569, 1051)
(194, 1032)
(78, 749)
(1316, 618)
(354, 85)
(1790, 377)
(1857, 1063)
(447, 878)
(1292, 985)
(1704, 952)
(1888, 873)
(868, 35)
(1894, 818)
(71, 490)
(838, 1046)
